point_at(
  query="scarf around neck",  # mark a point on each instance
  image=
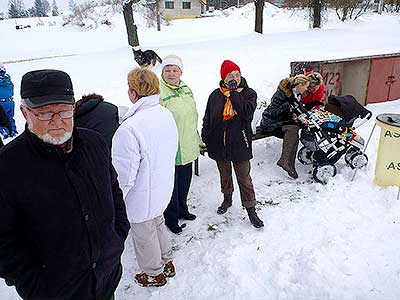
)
(229, 112)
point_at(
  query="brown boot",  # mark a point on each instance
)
(147, 280)
(289, 150)
(254, 219)
(223, 208)
(169, 269)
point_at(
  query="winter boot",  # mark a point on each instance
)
(147, 280)
(188, 216)
(169, 269)
(175, 228)
(223, 208)
(289, 150)
(254, 219)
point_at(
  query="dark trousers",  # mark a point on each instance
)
(177, 207)
(242, 171)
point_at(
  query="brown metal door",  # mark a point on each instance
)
(378, 85)
(394, 93)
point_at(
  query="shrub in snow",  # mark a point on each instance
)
(40, 22)
(90, 15)
(148, 9)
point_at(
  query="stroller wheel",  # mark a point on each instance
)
(305, 156)
(358, 160)
(349, 154)
(323, 173)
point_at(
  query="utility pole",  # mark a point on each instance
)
(380, 6)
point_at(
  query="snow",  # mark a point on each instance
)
(338, 241)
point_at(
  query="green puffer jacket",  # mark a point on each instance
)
(179, 100)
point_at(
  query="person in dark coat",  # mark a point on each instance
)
(5, 125)
(94, 113)
(63, 219)
(279, 120)
(228, 136)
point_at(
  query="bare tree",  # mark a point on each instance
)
(350, 9)
(316, 13)
(259, 15)
(131, 28)
(315, 8)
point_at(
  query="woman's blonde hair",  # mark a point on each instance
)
(299, 79)
(315, 79)
(144, 82)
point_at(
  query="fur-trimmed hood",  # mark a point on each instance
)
(286, 87)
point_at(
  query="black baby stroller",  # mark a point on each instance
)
(328, 134)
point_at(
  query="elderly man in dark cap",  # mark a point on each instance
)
(63, 220)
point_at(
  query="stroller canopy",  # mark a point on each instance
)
(346, 107)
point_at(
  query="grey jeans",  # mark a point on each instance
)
(152, 245)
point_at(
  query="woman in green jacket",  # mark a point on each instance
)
(177, 97)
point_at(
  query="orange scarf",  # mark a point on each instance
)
(229, 112)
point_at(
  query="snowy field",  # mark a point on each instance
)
(340, 241)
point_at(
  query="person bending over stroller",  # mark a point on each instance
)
(313, 97)
(279, 119)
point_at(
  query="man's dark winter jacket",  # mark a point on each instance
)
(278, 112)
(230, 140)
(99, 116)
(63, 220)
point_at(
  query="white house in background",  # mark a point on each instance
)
(181, 9)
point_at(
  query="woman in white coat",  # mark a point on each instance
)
(143, 153)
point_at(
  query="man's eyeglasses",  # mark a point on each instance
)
(47, 116)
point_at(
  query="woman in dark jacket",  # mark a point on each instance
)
(278, 119)
(94, 113)
(227, 134)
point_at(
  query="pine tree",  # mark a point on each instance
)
(12, 10)
(46, 6)
(54, 10)
(16, 9)
(39, 8)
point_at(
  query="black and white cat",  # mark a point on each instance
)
(147, 58)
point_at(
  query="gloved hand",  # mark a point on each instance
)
(4, 132)
(231, 85)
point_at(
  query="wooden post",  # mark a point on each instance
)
(196, 167)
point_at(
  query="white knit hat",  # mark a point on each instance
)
(172, 60)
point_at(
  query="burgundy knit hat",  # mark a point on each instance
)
(227, 67)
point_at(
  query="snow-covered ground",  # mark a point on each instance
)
(338, 241)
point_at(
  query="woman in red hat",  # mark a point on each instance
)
(227, 134)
